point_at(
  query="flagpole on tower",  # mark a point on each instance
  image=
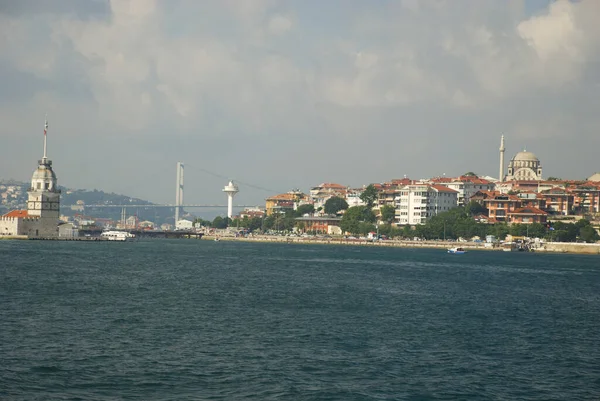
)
(45, 130)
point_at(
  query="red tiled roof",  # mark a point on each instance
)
(286, 196)
(402, 181)
(443, 188)
(20, 214)
(332, 185)
(474, 180)
(528, 210)
(442, 179)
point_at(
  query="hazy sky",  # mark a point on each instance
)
(289, 94)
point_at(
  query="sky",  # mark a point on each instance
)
(280, 95)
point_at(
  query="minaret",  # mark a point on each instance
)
(44, 196)
(502, 149)
(230, 190)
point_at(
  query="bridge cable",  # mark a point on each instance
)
(236, 181)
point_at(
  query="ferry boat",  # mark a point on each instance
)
(457, 250)
(117, 236)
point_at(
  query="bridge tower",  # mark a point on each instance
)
(179, 191)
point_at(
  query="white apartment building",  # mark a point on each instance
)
(417, 203)
(320, 194)
(353, 197)
(466, 186)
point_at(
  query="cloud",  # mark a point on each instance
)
(288, 78)
(279, 24)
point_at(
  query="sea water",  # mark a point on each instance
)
(205, 320)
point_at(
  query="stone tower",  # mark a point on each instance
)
(44, 196)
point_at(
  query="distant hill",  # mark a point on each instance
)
(16, 198)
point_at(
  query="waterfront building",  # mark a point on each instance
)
(41, 218)
(283, 202)
(466, 186)
(532, 199)
(320, 225)
(528, 185)
(252, 213)
(558, 200)
(528, 215)
(68, 230)
(183, 224)
(353, 197)
(586, 199)
(418, 202)
(321, 193)
(499, 205)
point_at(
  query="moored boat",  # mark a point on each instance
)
(457, 250)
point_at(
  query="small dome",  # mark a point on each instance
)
(595, 177)
(526, 156)
(44, 174)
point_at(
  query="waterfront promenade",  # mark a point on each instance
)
(555, 247)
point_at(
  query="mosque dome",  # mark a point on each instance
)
(524, 166)
(595, 177)
(526, 156)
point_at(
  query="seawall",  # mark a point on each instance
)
(554, 247)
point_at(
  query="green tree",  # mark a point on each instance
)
(269, 222)
(369, 196)
(201, 222)
(388, 213)
(588, 234)
(334, 204)
(220, 222)
(475, 208)
(305, 209)
(470, 174)
(554, 179)
(354, 216)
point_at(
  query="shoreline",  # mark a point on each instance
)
(549, 247)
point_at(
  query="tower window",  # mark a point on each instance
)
(47, 185)
(39, 185)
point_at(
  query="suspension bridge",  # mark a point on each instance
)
(179, 204)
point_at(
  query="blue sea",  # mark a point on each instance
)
(205, 320)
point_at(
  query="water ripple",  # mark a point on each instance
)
(198, 320)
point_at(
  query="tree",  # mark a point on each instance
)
(369, 196)
(588, 234)
(200, 222)
(470, 174)
(335, 204)
(354, 216)
(388, 213)
(220, 222)
(475, 208)
(305, 209)
(554, 179)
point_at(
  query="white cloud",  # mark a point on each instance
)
(279, 24)
(258, 69)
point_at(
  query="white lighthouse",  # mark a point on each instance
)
(44, 196)
(231, 189)
(40, 220)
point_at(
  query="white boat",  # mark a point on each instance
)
(114, 235)
(457, 250)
